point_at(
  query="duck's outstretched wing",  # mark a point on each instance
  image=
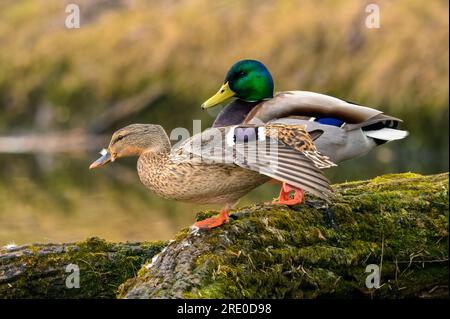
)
(283, 152)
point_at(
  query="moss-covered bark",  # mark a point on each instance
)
(398, 222)
(39, 270)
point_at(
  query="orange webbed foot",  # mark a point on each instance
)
(212, 222)
(285, 198)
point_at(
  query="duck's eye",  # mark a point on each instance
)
(242, 73)
(120, 137)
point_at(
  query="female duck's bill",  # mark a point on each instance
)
(104, 159)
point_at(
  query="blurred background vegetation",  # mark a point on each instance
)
(64, 91)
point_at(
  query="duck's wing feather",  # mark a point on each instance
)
(283, 152)
(304, 103)
(284, 164)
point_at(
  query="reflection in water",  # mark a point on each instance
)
(68, 203)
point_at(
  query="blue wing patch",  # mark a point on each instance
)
(330, 121)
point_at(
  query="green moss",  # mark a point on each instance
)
(277, 252)
(205, 214)
(103, 267)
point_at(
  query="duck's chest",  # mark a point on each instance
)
(156, 173)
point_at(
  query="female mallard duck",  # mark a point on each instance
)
(349, 130)
(222, 164)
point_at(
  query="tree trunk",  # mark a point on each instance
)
(397, 224)
(393, 227)
(50, 270)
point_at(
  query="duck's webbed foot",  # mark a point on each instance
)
(213, 222)
(285, 195)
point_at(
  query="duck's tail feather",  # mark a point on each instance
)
(387, 134)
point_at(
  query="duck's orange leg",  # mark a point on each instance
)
(215, 221)
(285, 198)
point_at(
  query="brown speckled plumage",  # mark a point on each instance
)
(203, 184)
(208, 168)
(296, 137)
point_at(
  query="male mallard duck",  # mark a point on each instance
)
(222, 164)
(349, 130)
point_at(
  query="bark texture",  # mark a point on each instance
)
(41, 270)
(397, 222)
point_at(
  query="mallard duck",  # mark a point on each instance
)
(221, 164)
(348, 130)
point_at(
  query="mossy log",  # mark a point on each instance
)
(396, 222)
(42, 270)
(316, 250)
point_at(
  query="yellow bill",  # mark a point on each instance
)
(221, 96)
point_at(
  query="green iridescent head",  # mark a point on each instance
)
(247, 80)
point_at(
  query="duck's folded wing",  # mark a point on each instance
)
(304, 103)
(203, 148)
(285, 164)
(268, 156)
